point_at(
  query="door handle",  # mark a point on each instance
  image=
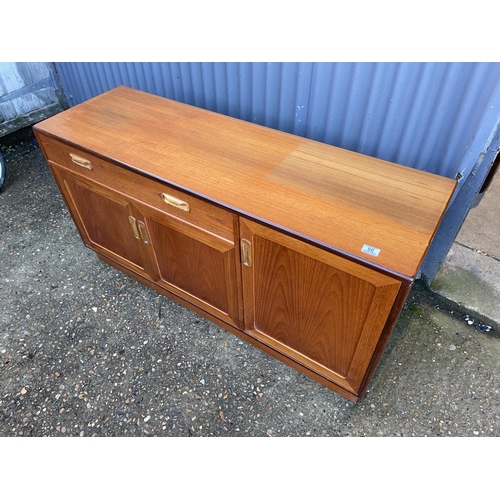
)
(143, 232)
(246, 253)
(133, 225)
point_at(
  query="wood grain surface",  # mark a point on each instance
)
(313, 305)
(329, 196)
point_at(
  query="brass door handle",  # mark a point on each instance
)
(133, 225)
(82, 162)
(143, 232)
(139, 229)
(175, 202)
(246, 252)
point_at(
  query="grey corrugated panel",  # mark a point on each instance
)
(431, 116)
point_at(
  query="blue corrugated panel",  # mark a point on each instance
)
(431, 116)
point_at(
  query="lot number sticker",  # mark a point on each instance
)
(371, 250)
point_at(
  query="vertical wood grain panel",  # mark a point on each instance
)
(313, 306)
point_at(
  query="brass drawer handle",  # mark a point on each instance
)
(82, 162)
(175, 202)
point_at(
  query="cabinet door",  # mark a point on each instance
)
(196, 265)
(106, 220)
(317, 308)
(190, 261)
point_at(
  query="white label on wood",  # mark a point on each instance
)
(371, 250)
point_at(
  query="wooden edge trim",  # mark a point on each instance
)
(386, 333)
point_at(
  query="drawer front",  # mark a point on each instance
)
(178, 204)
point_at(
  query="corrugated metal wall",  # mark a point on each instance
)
(431, 116)
(438, 117)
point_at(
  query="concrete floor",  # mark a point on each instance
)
(87, 351)
(470, 274)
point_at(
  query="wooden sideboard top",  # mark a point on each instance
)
(330, 196)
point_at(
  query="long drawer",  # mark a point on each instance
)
(176, 203)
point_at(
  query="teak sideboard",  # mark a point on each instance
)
(305, 250)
